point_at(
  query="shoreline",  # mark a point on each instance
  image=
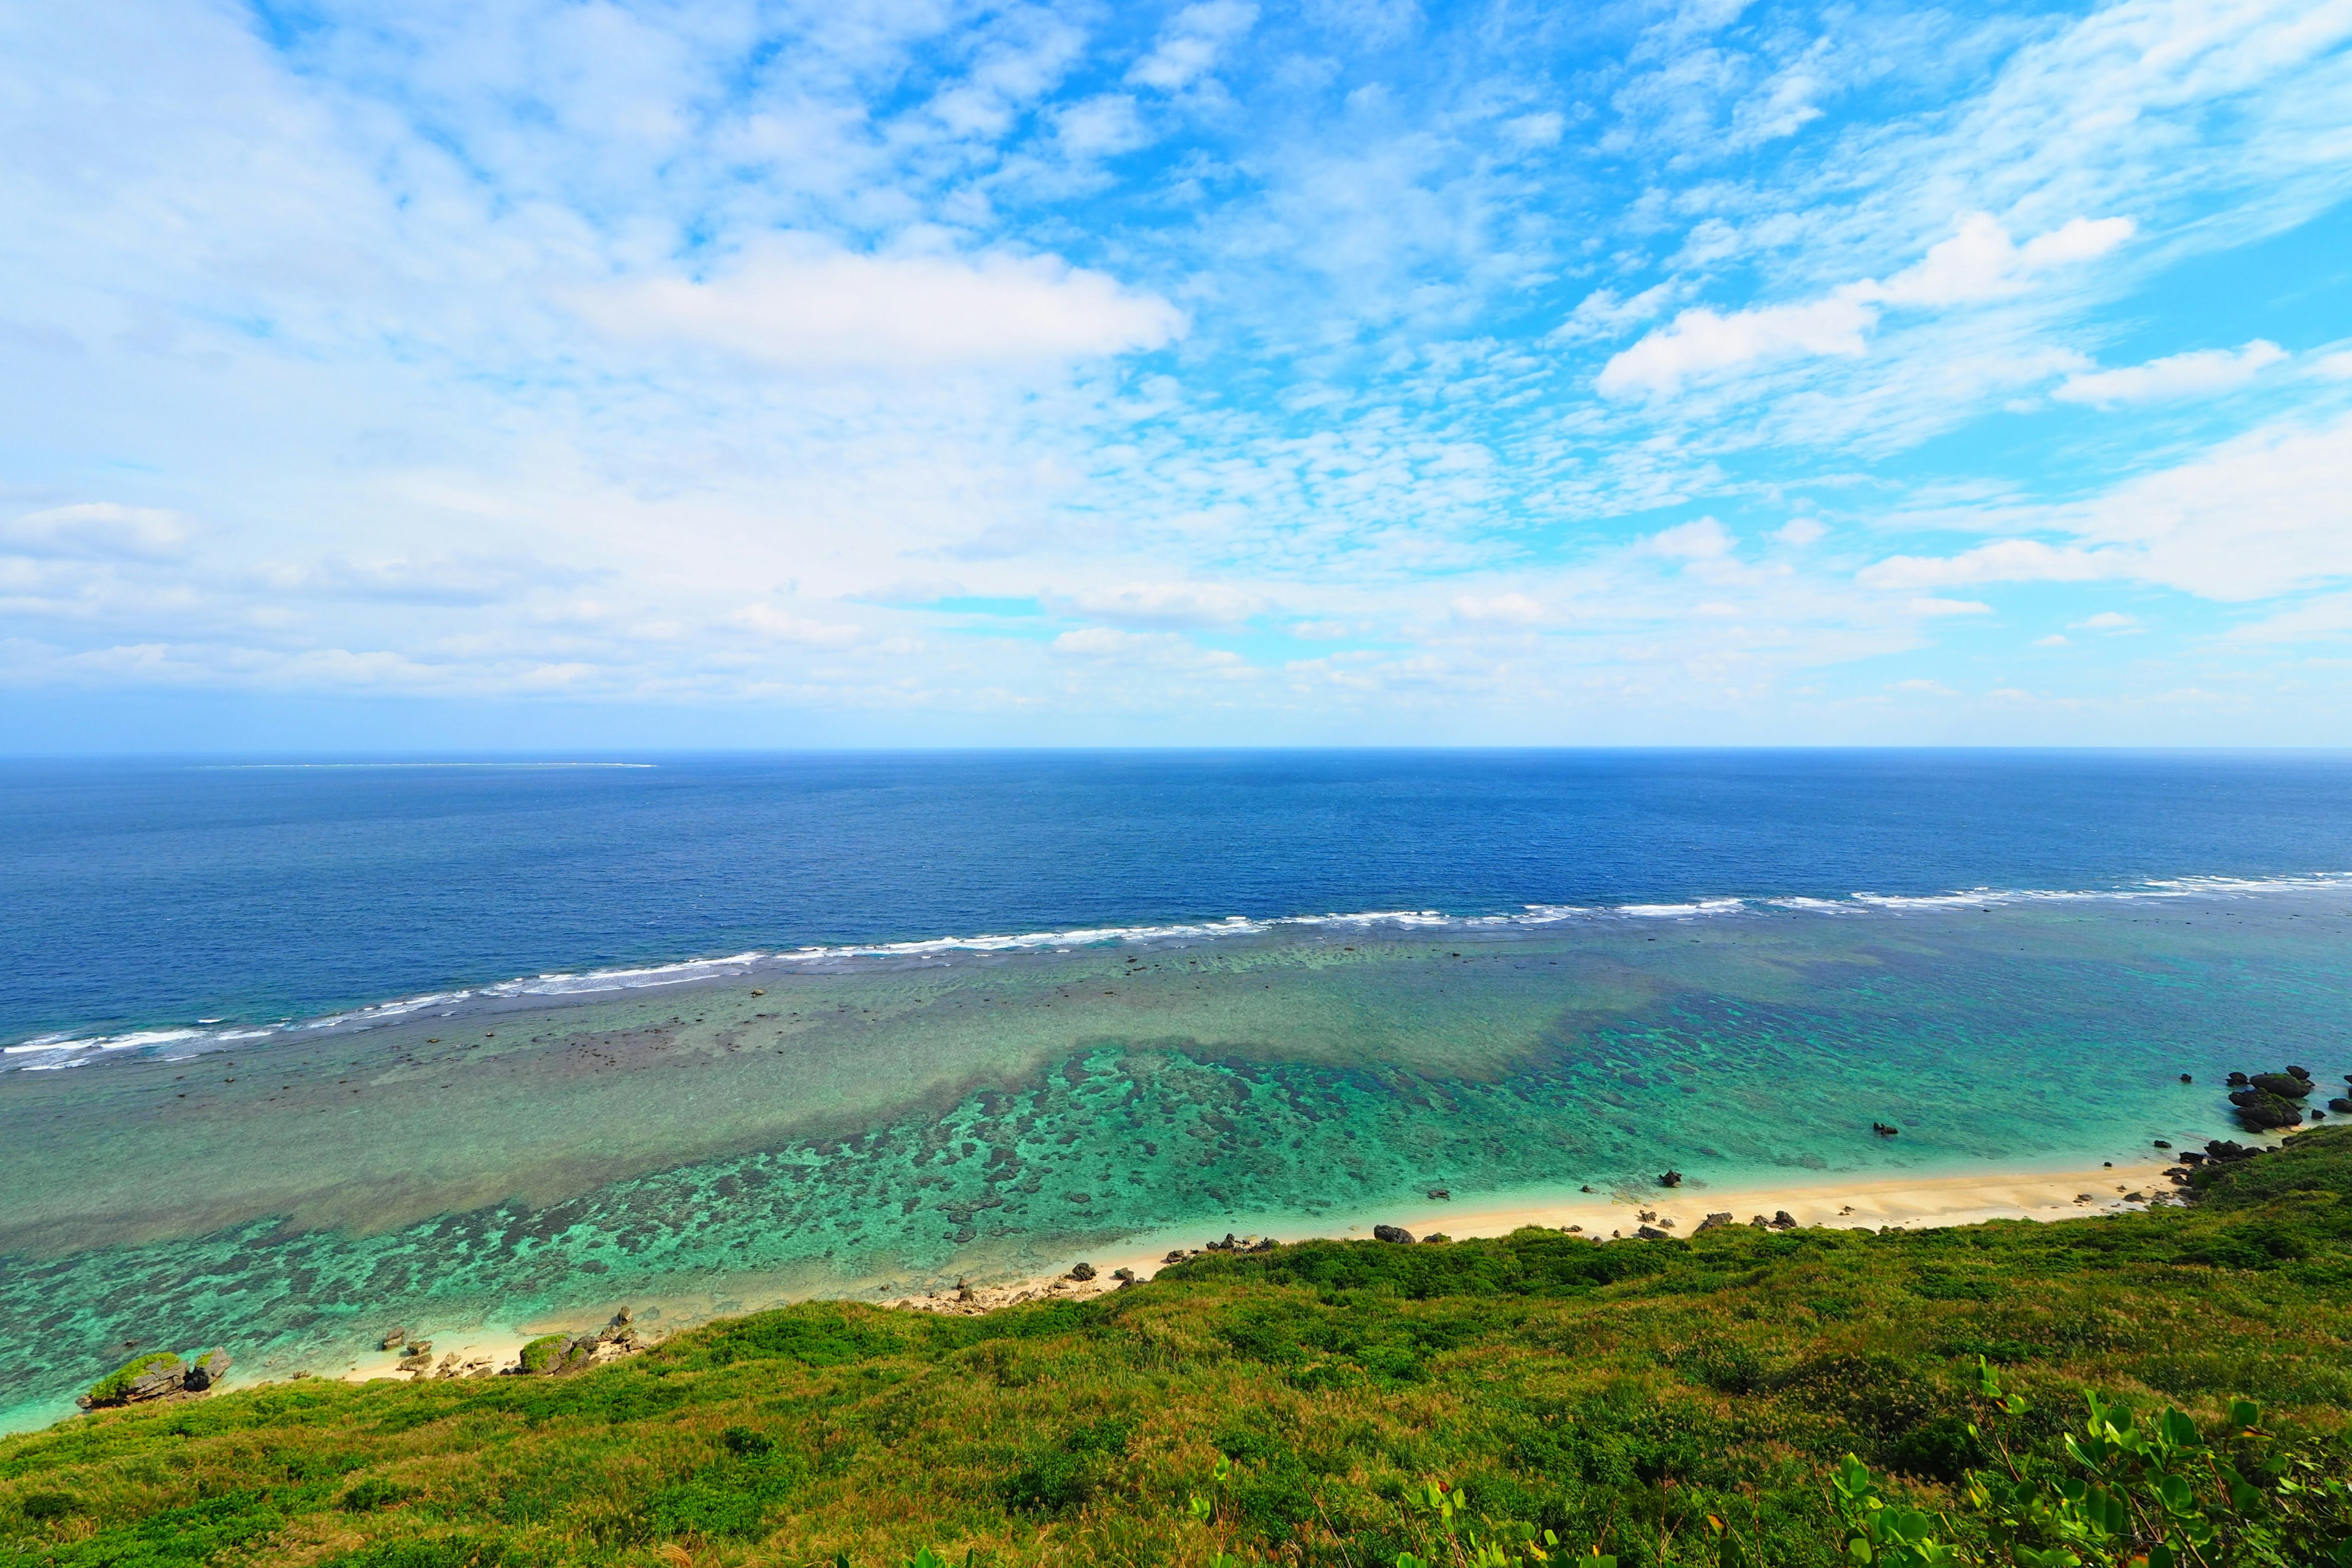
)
(1868, 1204)
(1926, 1201)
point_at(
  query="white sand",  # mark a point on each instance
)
(1919, 1201)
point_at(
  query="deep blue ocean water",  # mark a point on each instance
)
(156, 894)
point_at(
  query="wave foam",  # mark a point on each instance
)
(47, 1052)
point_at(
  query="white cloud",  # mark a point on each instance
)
(1190, 46)
(1166, 604)
(2004, 561)
(1703, 538)
(1504, 609)
(1602, 314)
(2336, 366)
(802, 303)
(2323, 619)
(2176, 375)
(1932, 607)
(784, 627)
(1802, 532)
(2265, 514)
(2105, 621)
(99, 529)
(2055, 640)
(1978, 263)
(1701, 342)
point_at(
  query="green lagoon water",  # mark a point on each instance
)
(723, 1145)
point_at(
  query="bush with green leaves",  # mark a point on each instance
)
(2152, 1493)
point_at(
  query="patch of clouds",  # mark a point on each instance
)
(1802, 532)
(100, 530)
(1165, 605)
(772, 621)
(1510, 609)
(2199, 373)
(1188, 49)
(1703, 538)
(799, 302)
(1978, 264)
(2262, 515)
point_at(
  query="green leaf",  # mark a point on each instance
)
(2245, 1413)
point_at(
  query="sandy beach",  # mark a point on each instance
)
(1921, 1201)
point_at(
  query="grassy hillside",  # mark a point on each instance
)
(1660, 1402)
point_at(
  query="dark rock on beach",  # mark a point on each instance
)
(1783, 1220)
(1713, 1222)
(1395, 1233)
(1082, 1271)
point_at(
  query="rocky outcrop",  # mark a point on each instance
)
(2259, 1111)
(1713, 1222)
(158, 1375)
(1783, 1220)
(551, 1356)
(1670, 1179)
(1082, 1271)
(1395, 1233)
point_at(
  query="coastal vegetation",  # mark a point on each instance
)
(2170, 1387)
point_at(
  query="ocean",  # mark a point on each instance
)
(297, 1051)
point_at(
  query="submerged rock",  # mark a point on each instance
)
(1670, 1179)
(1395, 1233)
(2339, 1104)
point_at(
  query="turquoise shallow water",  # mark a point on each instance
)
(747, 1139)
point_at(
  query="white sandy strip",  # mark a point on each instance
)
(1918, 1202)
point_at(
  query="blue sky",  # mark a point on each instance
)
(1348, 371)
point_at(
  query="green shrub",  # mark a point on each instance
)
(731, 1500)
(439, 1552)
(372, 1494)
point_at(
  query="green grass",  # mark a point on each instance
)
(1664, 1402)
